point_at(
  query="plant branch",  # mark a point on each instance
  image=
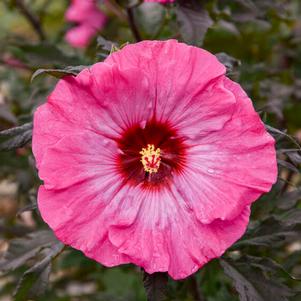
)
(116, 10)
(32, 19)
(133, 24)
(195, 290)
(287, 182)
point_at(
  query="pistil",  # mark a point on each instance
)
(150, 158)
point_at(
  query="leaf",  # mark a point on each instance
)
(252, 284)
(12, 230)
(16, 130)
(150, 17)
(266, 233)
(292, 153)
(105, 44)
(264, 263)
(41, 246)
(58, 73)
(42, 55)
(33, 283)
(247, 11)
(288, 165)
(22, 249)
(258, 8)
(267, 265)
(19, 136)
(276, 132)
(29, 207)
(290, 218)
(229, 27)
(230, 62)
(289, 199)
(193, 20)
(6, 115)
(107, 47)
(35, 280)
(295, 157)
(155, 286)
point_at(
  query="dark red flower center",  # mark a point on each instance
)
(150, 154)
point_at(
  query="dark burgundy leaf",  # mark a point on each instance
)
(230, 62)
(16, 130)
(22, 249)
(42, 55)
(58, 73)
(266, 233)
(289, 199)
(29, 207)
(33, 283)
(35, 280)
(15, 137)
(288, 165)
(194, 21)
(276, 133)
(252, 284)
(295, 157)
(105, 44)
(6, 115)
(290, 218)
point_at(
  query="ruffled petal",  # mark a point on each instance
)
(204, 112)
(73, 214)
(78, 158)
(177, 74)
(229, 169)
(167, 237)
(82, 214)
(92, 101)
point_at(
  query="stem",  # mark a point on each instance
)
(287, 181)
(133, 25)
(155, 285)
(116, 10)
(32, 19)
(44, 9)
(195, 290)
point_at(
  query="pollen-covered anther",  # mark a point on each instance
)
(150, 158)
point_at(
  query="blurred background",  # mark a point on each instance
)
(259, 41)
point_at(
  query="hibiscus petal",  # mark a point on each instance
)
(176, 73)
(225, 172)
(92, 101)
(73, 215)
(166, 236)
(77, 158)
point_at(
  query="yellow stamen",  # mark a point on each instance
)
(150, 158)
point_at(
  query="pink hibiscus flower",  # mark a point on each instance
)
(89, 19)
(152, 157)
